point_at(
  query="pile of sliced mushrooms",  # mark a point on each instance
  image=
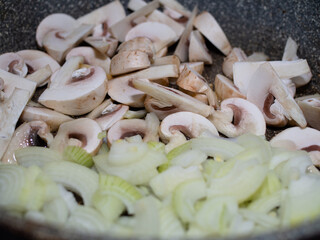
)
(120, 82)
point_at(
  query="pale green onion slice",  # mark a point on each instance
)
(267, 203)
(189, 158)
(264, 220)
(170, 226)
(56, 211)
(78, 155)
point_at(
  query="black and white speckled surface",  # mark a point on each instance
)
(253, 25)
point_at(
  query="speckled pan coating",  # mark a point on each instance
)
(253, 25)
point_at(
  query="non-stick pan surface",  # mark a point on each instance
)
(253, 25)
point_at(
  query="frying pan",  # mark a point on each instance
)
(253, 25)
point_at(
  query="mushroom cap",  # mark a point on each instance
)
(160, 34)
(198, 51)
(239, 116)
(82, 130)
(57, 22)
(236, 55)
(190, 124)
(225, 88)
(13, 63)
(36, 60)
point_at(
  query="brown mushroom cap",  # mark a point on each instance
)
(13, 63)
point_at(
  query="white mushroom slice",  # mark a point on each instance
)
(198, 51)
(83, 131)
(243, 71)
(104, 17)
(91, 57)
(290, 54)
(238, 116)
(104, 45)
(310, 106)
(176, 126)
(13, 63)
(178, 17)
(224, 88)
(135, 5)
(85, 90)
(160, 108)
(176, 6)
(35, 133)
(129, 61)
(57, 22)
(153, 124)
(57, 45)
(257, 57)
(52, 118)
(121, 90)
(236, 55)
(162, 52)
(172, 59)
(197, 66)
(15, 93)
(139, 43)
(211, 29)
(36, 60)
(40, 76)
(264, 85)
(160, 34)
(120, 29)
(173, 96)
(295, 138)
(130, 114)
(182, 48)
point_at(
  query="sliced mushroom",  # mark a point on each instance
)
(57, 45)
(120, 29)
(160, 34)
(236, 55)
(129, 61)
(266, 85)
(177, 127)
(310, 106)
(172, 96)
(243, 71)
(198, 51)
(224, 88)
(153, 124)
(238, 116)
(296, 138)
(35, 133)
(172, 59)
(13, 63)
(176, 6)
(60, 23)
(104, 17)
(197, 66)
(75, 92)
(160, 108)
(82, 132)
(130, 114)
(143, 44)
(192, 81)
(91, 57)
(211, 29)
(162, 52)
(52, 118)
(105, 45)
(41, 76)
(182, 48)
(257, 57)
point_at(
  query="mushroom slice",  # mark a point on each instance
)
(172, 96)
(57, 45)
(160, 108)
(105, 45)
(238, 116)
(120, 29)
(153, 124)
(121, 90)
(130, 114)
(104, 17)
(162, 52)
(176, 6)
(236, 55)
(198, 51)
(257, 57)
(172, 59)
(13, 63)
(91, 57)
(82, 132)
(243, 71)
(129, 61)
(192, 81)
(84, 90)
(177, 126)
(52, 118)
(310, 106)
(35, 133)
(182, 48)
(290, 54)
(296, 138)
(41, 76)
(224, 88)
(211, 29)
(58, 22)
(197, 66)
(160, 34)
(143, 44)
(264, 86)
(15, 93)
